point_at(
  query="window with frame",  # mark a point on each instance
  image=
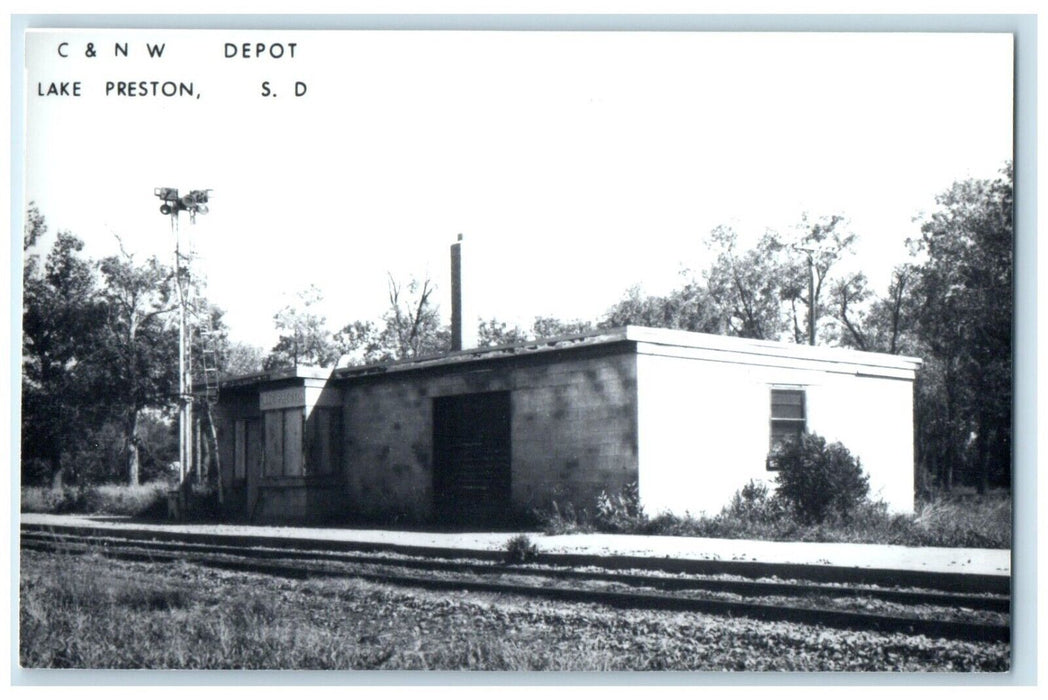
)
(788, 417)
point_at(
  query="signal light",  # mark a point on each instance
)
(195, 202)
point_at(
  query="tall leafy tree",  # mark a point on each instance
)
(61, 321)
(360, 342)
(138, 349)
(965, 319)
(241, 358)
(778, 288)
(690, 308)
(822, 243)
(492, 333)
(100, 366)
(878, 324)
(550, 327)
(304, 338)
(746, 285)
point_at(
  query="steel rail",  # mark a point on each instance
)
(942, 581)
(934, 628)
(989, 602)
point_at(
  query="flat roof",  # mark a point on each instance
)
(662, 338)
(272, 375)
(770, 348)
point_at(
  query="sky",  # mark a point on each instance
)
(575, 165)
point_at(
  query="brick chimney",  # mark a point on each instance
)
(463, 323)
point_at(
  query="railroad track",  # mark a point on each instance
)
(918, 611)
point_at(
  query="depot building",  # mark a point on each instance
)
(477, 436)
(474, 435)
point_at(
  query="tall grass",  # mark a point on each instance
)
(755, 512)
(143, 500)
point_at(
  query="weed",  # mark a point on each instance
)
(564, 519)
(612, 512)
(620, 512)
(520, 550)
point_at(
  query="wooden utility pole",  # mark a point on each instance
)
(811, 292)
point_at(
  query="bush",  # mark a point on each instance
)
(520, 549)
(819, 479)
(755, 502)
(758, 512)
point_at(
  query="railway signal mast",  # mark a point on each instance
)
(195, 202)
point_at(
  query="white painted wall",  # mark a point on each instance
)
(872, 417)
(704, 426)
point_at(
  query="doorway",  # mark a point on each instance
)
(471, 449)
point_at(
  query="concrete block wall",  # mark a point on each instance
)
(386, 449)
(573, 432)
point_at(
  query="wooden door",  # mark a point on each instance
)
(471, 447)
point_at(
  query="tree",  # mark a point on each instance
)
(493, 333)
(240, 358)
(412, 322)
(61, 320)
(778, 286)
(746, 286)
(689, 308)
(549, 327)
(210, 335)
(98, 351)
(822, 243)
(965, 292)
(304, 338)
(846, 297)
(886, 324)
(35, 228)
(360, 342)
(138, 348)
